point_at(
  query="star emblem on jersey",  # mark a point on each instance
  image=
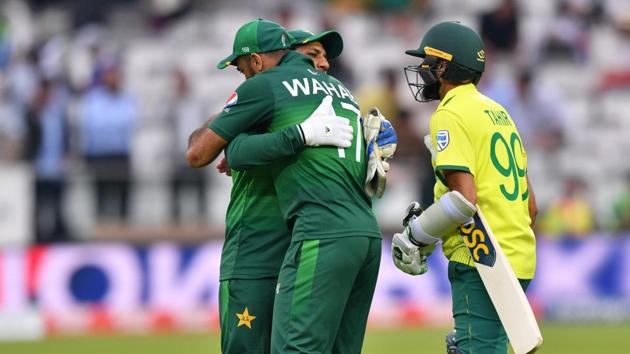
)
(245, 319)
(442, 139)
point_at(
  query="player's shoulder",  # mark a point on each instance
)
(254, 86)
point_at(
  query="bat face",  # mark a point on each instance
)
(476, 239)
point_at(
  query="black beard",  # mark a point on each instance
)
(431, 92)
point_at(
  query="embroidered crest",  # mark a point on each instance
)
(442, 139)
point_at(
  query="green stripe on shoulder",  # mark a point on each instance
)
(304, 278)
(452, 167)
(440, 175)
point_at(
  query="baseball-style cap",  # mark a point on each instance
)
(258, 36)
(330, 40)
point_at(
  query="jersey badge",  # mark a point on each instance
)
(245, 319)
(232, 100)
(442, 138)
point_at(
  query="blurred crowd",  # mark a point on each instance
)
(103, 94)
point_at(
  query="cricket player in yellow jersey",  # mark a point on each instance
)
(479, 160)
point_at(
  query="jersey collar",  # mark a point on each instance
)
(461, 89)
(293, 57)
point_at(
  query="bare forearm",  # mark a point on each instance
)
(463, 182)
(204, 145)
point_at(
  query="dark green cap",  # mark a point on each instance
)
(258, 36)
(330, 40)
(454, 42)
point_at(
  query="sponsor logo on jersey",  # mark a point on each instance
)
(232, 100)
(442, 138)
(312, 71)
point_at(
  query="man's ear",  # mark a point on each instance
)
(257, 62)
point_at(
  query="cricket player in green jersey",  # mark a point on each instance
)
(201, 153)
(479, 160)
(335, 248)
(256, 234)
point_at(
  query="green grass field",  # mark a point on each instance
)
(559, 339)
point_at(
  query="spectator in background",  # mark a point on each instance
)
(570, 215)
(186, 114)
(107, 118)
(616, 71)
(538, 113)
(621, 209)
(568, 32)
(46, 145)
(11, 126)
(5, 48)
(499, 28)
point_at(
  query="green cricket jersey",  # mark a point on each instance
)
(320, 190)
(256, 236)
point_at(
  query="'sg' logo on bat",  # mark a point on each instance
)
(478, 243)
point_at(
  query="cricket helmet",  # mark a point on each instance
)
(450, 42)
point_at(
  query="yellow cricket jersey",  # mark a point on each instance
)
(472, 133)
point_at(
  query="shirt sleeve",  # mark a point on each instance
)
(251, 150)
(250, 106)
(454, 150)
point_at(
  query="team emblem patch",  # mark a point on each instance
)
(232, 100)
(245, 319)
(442, 139)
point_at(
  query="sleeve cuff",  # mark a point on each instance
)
(296, 137)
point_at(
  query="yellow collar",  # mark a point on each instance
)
(457, 90)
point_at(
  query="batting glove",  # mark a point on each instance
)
(407, 256)
(413, 212)
(381, 141)
(323, 127)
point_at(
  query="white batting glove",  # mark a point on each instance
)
(406, 255)
(323, 127)
(381, 141)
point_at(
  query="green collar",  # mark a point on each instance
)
(457, 90)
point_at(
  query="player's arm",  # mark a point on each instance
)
(251, 105)
(462, 182)
(321, 128)
(455, 166)
(204, 146)
(533, 207)
(251, 150)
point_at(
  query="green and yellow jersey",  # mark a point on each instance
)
(319, 190)
(472, 133)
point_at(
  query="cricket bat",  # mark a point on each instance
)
(504, 289)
